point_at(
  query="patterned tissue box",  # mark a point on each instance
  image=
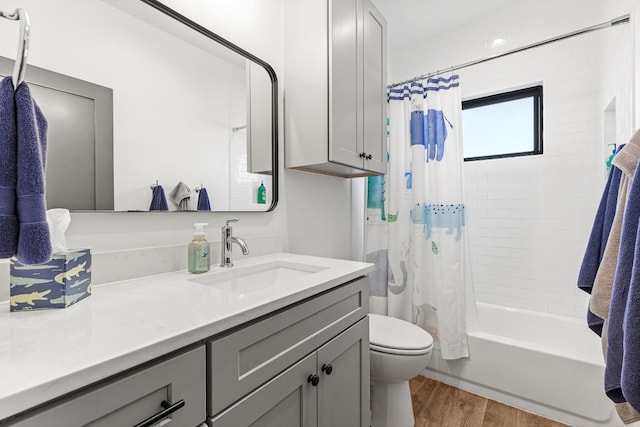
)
(61, 282)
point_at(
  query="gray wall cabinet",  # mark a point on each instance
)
(335, 94)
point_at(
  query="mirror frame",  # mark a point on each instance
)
(274, 89)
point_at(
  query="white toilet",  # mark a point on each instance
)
(399, 351)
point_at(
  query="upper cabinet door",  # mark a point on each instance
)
(345, 70)
(375, 91)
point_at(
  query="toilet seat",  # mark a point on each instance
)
(395, 336)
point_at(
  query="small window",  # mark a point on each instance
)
(504, 125)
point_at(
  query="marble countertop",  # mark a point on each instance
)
(47, 353)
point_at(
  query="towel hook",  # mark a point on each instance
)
(20, 66)
(152, 186)
(197, 189)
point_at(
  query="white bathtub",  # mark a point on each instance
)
(543, 363)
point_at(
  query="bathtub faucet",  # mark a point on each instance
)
(227, 240)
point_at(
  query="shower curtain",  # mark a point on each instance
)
(415, 229)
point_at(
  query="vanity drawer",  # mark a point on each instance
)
(247, 358)
(136, 397)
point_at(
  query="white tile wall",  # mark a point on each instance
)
(529, 218)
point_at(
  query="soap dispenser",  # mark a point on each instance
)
(199, 250)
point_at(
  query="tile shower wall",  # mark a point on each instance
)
(529, 217)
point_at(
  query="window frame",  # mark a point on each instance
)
(536, 92)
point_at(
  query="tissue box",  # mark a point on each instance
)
(61, 282)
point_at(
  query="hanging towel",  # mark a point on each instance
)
(625, 411)
(180, 195)
(620, 292)
(203, 200)
(626, 161)
(8, 171)
(34, 244)
(158, 199)
(597, 243)
(630, 377)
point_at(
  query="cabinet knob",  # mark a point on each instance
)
(369, 157)
(362, 155)
(327, 369)
(313, 379)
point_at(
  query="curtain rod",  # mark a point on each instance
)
(617, 21)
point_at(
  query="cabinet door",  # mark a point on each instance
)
(343, 392)
(345, 92)
(128, 401)
(287, 400)
(375, 91)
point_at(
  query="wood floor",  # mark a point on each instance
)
(439, 405)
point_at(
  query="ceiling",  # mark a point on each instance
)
(412, 20)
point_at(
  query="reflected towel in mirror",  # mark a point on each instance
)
(180, 195)
(203, 200)
(158, 199)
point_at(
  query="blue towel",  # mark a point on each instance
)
(598, 241)
(34, 244)
(203, 200)
(620, 292)
(158, 200)
(8, 171)
(630, 379)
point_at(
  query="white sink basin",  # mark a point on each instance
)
(246, 279)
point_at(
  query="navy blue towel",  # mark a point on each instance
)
(34, 244)
(8, 171)
(158, 199)
(630, 379)
(203, 200)
(620, 292)
(598, 241)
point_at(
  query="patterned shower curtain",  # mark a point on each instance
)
(415, 231)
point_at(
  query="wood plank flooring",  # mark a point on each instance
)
(439, 405)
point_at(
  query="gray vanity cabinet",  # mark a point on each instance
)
(307, 365)
(343, 388)
(177, 383)
(287, 400)
(335, 87)
(328, 388)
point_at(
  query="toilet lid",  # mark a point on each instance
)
(396, 336)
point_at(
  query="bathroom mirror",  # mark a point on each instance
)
(179, 103)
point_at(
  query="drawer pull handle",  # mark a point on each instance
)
(327, 369)
(313, 379)
(168, 410)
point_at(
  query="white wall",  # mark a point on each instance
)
(529, 218)
(313, 215)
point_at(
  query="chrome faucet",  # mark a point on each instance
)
(227, 240)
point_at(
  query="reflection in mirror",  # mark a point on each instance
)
(190, 110)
